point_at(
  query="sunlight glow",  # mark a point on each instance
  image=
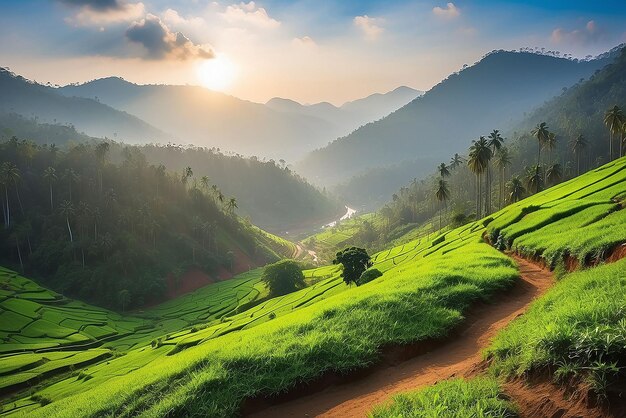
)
(217, 73)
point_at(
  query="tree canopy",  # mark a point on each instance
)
(283, 277)
(355, 261)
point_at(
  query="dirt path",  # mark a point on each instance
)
(459, 357)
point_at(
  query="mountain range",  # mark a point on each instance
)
(280, 129)
(492, 94)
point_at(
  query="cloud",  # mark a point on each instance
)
(172, 17)
(160, 42)
(369, 26)
(304, 42)
(589, 34)
(103, 12)
(449, 12)
(249, 13)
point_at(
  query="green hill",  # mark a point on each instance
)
(30, 99)
(379, 157)
(426, 287)
(120, 234)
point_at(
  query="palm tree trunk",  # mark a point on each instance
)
(8, 219)
(611, 146)
(69, 229)
(19, 253)
(51, 204)
(19, 199)
(4, 214)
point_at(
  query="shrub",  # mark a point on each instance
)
(368, 276)
(283, 277)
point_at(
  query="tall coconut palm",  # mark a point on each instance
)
(534, 179)
(479, 156)
(554, 173)
(204, 182)
(442, 194)
(516, 189)
(50, 174)
(578, 145)
(540, 133)
(502, 161)
(102, 149)
(187, 174)
(443, 170)
(456, 161)
(9, 174)
(72, 178)
(231, 205)
(67, 209)
(551, 145)
(614, 120)
(495, 142)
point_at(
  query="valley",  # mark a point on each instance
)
(312, 209)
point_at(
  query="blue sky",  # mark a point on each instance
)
(307, 50)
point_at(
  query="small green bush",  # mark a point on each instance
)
(368, 276)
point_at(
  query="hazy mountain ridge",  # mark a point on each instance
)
(280, 129)
(493, 93)
(96, 119)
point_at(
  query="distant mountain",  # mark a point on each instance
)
(350, 115)
(490, 94)
(280, 129)
(44, 104)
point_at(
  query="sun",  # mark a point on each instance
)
(217, 73)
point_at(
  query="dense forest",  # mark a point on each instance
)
(268, 192)
(112, 232)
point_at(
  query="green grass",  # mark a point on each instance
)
(458, 398)
(422, 296)
(202, 354)
(577, 329)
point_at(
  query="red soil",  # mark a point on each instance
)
(432, 361)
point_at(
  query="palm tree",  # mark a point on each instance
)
(442, 194)
(9, 173)
(578, 146)
(231, 205)
(622, 142)
(102, 149)
(534, 179)
(456, 161)
(50, 174)
(614, 120)
(479, 157)
(67, 209)
(204, 182)
(187, 174)
(516, 189)
(502, 161)
(551, 145)
(554, 173)
(443, 170)
(71, 177)
(541, 133)
(494, 142)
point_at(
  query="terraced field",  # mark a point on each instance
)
(231, 341)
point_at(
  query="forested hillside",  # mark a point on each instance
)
(47, 106)
(496, 90)
(115, 233)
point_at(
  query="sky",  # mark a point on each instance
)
(306, 50)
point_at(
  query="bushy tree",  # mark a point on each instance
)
(355, 261)
(368, 276)
(283, 277)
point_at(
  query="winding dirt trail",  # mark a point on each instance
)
(458, 357)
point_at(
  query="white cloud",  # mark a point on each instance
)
(250, 14)
(370, 26)
(172, 17)
(88, 14)
(449, 12)
(304, 42)
(589, 34)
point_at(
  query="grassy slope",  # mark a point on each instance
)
(425, 288)
(419, 288)
(578, 328)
